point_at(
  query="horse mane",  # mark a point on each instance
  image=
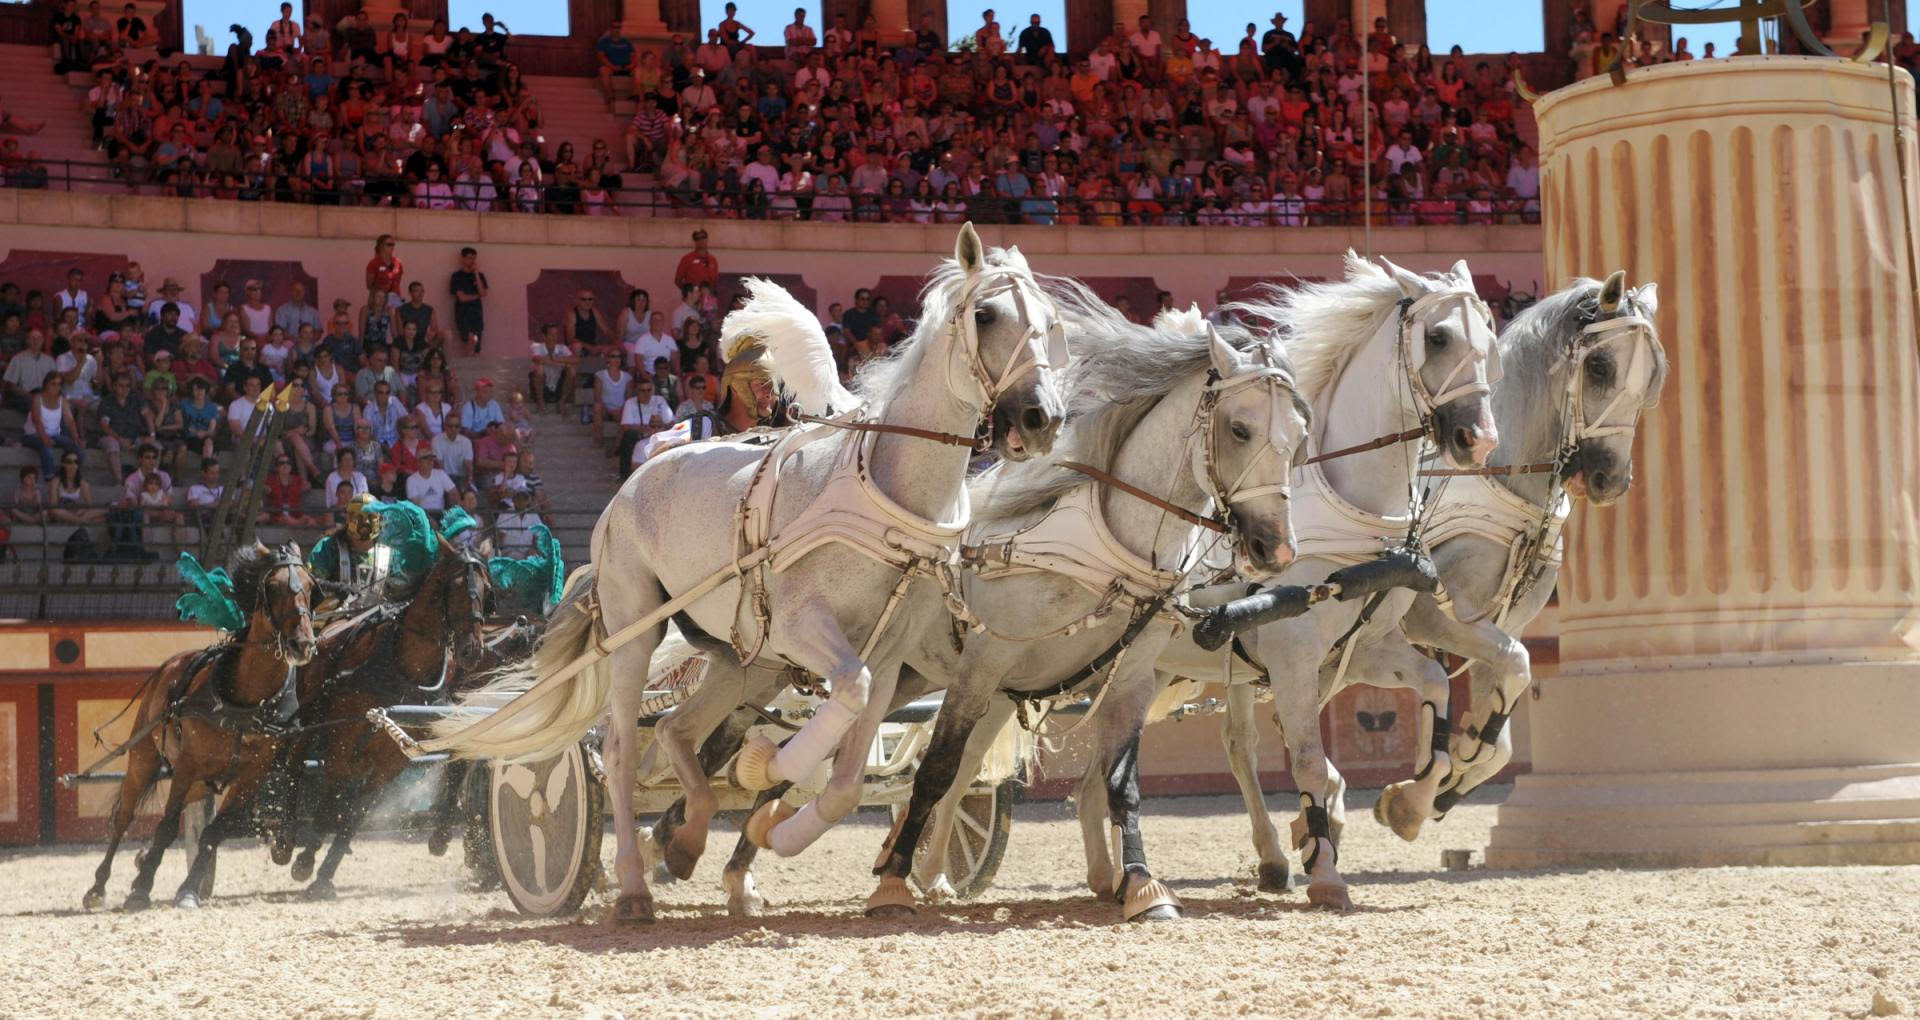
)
(881, 378)
(1118, 373)
(1322, 325)
(248, 567)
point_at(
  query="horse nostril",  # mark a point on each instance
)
(1259, 549)
(1464, 437)
(1600, 481)
(1033, 419)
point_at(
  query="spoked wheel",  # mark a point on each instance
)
(546, 818)
(980, 830)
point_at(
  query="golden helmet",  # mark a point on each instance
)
(363, 522)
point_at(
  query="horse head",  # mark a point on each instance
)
(1255, 426)
(464, 588)
(275, 584)
(1007, 333)
(1613, 370)
(1449, 353)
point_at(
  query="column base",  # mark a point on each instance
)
(1763, 764)
(1811, 816)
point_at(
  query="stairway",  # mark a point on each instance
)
(32, 92)
(578, 479)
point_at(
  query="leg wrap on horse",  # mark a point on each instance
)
(805, 750)
(1437, 742)
(1318, 828)
(798, 833)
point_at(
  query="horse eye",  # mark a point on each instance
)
(1600, 370)
(983, 315)
(1436, 339)
(1241, 432)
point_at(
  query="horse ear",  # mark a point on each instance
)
(1225, 360)
(1410, 284)
(1462, 273)
(1612, 291)
(968, 251)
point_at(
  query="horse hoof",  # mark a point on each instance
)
(751, 767)
(303, 868)
(187, 901)
(94, 897)
(1394, 811)
(940, 890)
(759, 827)
(281, 855)
(436, 844)
(136, 902)
(892, 898)
(319, 892)
(1275, 877)
(679, 860)
(1331, 895)
(632, 909)
(1151, 900)
(750, 905)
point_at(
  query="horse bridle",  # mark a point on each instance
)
(295, 586)
(1592, 337)
(1042, 347)
(1226, 494)
(1425, 400)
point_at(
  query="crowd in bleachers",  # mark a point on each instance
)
(162, 388)
(842, 125)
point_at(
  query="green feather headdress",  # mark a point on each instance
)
(209, 599)
(545, 572)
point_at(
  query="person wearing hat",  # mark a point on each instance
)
(698, 265)
(480, 411)
(161, 373)
(170, 295)
(428, 487)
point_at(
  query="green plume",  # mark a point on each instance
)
(210, 598)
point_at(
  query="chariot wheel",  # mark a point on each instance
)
(980, 830)
(545, 819)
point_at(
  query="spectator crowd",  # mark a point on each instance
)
(161, 388)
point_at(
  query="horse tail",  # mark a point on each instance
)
(543, 729)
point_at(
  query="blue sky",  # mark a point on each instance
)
(1226, 23)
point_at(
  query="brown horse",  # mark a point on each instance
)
(203, 713)
(411, 656)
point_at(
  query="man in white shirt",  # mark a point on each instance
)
(78, 368)
(295, 313)
(815, 73)
(762, 170)
(552, 376)
(429, 487)
(1403, 153)
(205, 494)
(644, 413)
(453, 450)
(1146, 42)
(170, 292)
(75, 296)
(345, 473)
(655, 343)
(1524, 175)
(1102, 61)
(515, 528)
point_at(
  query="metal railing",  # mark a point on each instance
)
(550, 198)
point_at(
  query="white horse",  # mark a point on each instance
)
(1582, 366)
(1420, 335)
(803, 552)
(1147, 399)
(1074, 571)
(1579, 369)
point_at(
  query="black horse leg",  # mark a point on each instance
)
(231, 821)
(163, 836)
(1143, 898)
(356, 802)
(938, 770)
(743, 898)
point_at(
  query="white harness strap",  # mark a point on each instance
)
(1595, 334)
(1426, 400)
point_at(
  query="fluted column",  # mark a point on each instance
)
(1738, 677)
(640, 19)
(892, 18)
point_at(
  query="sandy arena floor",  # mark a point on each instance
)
(405, 939)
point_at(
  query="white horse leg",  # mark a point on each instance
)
(680, 735)
(629, 600)
(1405, 806)
(931, 868)
(1502, 671)
(1296, 710)
(820, 647)
(1089, 803)
(1241, 737)
(849, 773)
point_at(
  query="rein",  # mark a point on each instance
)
(1392, 439)
(1144, 496)
(976, 443)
